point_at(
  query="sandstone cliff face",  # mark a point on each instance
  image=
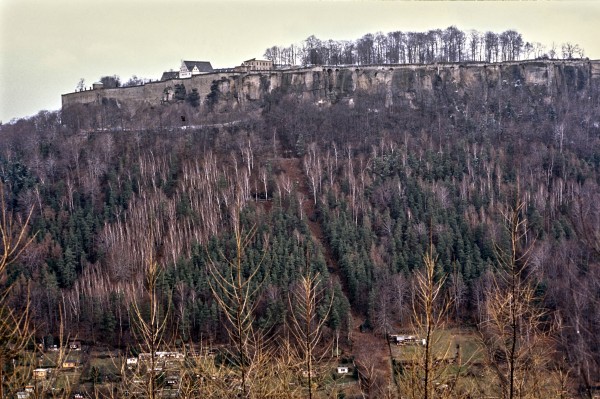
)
(398, 85)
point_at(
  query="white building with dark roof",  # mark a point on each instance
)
(190, 68)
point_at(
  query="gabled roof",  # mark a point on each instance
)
(169, 75)
(254, 59)
(203, 66)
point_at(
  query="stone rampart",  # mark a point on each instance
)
(331, 83)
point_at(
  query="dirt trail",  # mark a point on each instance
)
(370, 351)
(293, 169)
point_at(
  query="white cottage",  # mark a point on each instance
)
(40, 373)
(132, 361)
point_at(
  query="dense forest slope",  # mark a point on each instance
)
(353, 176)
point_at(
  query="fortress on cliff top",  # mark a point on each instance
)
(401, 84)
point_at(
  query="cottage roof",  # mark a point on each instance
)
(169, 75)
(203, 66)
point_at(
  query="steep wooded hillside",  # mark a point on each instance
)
(467, 165)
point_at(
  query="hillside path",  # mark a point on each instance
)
(371, 352)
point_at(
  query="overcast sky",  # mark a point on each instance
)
(47, 46)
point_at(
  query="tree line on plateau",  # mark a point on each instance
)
(436, 45)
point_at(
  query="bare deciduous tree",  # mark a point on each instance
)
(150, 327)
(235, 292)
(306, 323)
(428, 374)
(515, 329)
(15, 328)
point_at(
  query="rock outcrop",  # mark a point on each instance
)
(399, 85)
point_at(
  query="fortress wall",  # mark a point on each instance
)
(81, 97)
(150, 93)
(396, 82)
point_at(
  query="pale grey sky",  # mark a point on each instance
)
(47, 46)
